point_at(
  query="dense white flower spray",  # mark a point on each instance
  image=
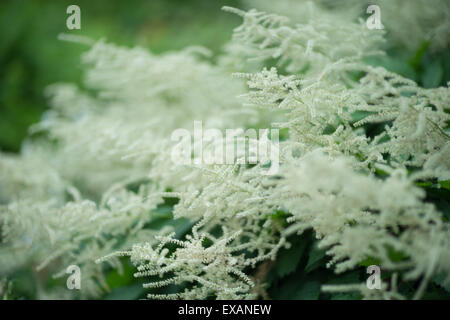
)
(93, 171)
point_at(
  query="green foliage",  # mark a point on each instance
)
(31, 57)
(316, 258)
(6, 289)
(288, 259)
(364, 154)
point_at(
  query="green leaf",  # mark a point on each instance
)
(316, 257)
(432, 76)
(288, 260)
(359, 115)
(440, 198)
(424, 184)
(163, 211)
(309, 290)
(416, 60)
(395, 255)
(346, 278)
(395, 63)
(370, 262)
(439, 279)
(445, 184)
(298, 286)
(131, 292)
(115, 280)
(182, 226)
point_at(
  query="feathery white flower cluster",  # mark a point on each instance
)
(213, 270)
(358, 216)
(97, 147)
(307, 47)
(322, 111)
(408, 23)
(68, 199)
(41, 232)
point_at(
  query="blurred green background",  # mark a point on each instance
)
(31, 56)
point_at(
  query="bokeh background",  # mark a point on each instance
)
(31, 56)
